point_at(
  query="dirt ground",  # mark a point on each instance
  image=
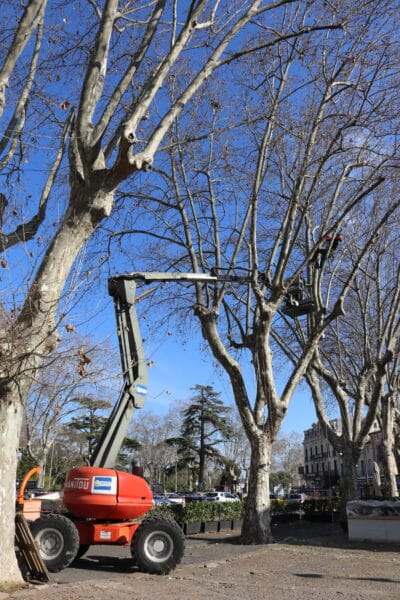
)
(307, 561)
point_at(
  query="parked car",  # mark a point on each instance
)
(296, 498)
(192, 496)
(35, 493)
(220, 497)
(161, 500)
(175, 498)
(232, 497)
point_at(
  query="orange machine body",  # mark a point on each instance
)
(115, 533)
(106, 494)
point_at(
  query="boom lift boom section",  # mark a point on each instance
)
(123, 290)
(134, 389)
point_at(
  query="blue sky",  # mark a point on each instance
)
(178, 364)
(177, 369)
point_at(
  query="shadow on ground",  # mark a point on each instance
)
(100, 562)
(307, 533)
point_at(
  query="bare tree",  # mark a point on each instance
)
(155, 455)
(356, 363)
(66, 374)
(105, 66)
(288, 454)
(264, 207)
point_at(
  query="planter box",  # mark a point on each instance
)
(237, 524)
(224, 525)
(373, 520)
(371, 529)
(208, 526)
(192, 528)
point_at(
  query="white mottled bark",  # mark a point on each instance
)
(10, 423)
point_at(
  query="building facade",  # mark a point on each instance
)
(323, 465)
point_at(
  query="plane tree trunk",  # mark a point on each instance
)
(257, 519)
(388, 446)
(261, 431)
(34, 335)
(348, 477)
(10, 426)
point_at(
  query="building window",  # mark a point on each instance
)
(379, 453)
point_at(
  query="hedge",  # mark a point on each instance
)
(193, 512)
(315, 508)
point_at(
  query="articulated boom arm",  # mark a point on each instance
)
(155, 276)
(134, 391)
(123, 288)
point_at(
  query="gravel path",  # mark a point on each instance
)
(307, 562)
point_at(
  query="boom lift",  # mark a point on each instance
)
(102, 502)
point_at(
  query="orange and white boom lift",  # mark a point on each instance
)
(104, 505)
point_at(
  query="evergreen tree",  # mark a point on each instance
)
(89, 422)
(205, 425)
(125, 460)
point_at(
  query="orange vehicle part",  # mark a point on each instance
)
(107, 494)
(120, 533)
(31, 508)
(21, 491)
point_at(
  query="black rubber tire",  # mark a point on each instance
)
(83, 548)
(158, 545)
(57, 539)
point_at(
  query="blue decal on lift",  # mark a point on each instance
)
(104, 484)
(141, 389)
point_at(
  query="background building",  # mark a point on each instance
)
(323, 465)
